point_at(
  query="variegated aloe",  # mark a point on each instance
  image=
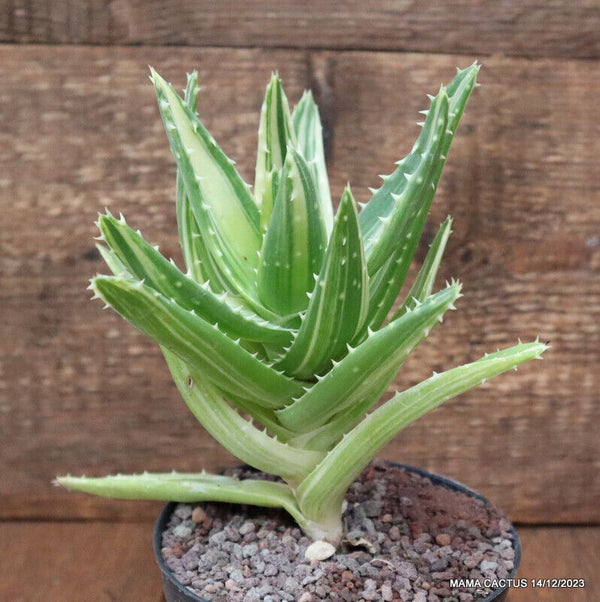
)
(278, 333)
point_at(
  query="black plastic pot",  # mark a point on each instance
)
(176, 592)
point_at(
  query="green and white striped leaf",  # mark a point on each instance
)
(113, 262)
(144, 262)
(221, 201)
(380, 216)
(235, 433)
(423, 285)
(403, 227)
(309, 133)
(190, 94)
(275, 134)
(186, 487)
(459, 91)
(364, 398)
(202, 345)
(384, 287)
(188, 232)
(362, 373)
(201, 266)
(389, 279)
(338, 304)
(186, 222)
(392, 220)
(264, 416)
(294, 244)
(325, 487)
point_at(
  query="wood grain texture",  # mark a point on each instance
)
(101, 562)
(81, 391)
(556, 28)
(559, 553)
(64, 562)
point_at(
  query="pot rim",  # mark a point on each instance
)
(436, 479)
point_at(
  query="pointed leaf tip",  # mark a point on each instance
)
(218, 198)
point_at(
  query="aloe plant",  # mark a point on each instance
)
(281, 333)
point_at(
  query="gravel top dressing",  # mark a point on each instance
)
(406, 538)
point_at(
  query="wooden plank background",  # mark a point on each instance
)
(81, 391)
(534, 28)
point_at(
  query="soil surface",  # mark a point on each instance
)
(405, 540)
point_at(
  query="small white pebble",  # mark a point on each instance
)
(319, 550)
(182, 531)
(488, 566)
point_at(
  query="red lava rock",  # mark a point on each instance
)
(176, 550)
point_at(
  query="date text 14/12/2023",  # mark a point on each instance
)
(518, 583)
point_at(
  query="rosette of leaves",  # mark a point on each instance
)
(281, 332)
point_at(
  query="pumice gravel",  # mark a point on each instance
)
(405, 540)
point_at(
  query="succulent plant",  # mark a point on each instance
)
(281, 334)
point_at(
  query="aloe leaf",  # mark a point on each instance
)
(190, 94)
(204, 487)
(459, 90)
(186, 222)
(294, 243)
(235, 433)
(384, 287)
(226, 363)
(203, 269)
(404, 199)
(380, 216)
(423, 285)
(114, 264)
(413, 205)
(412, 209)
(188, 231)
(406, 193)
(275, 133)
(186, 487)
(326, 436)
(144, 262)
(225, 212)
(309, 133)
(264, 416)
(338, 304)
(368, 369)
(326, 485)
(200, 264)
(387, 282)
